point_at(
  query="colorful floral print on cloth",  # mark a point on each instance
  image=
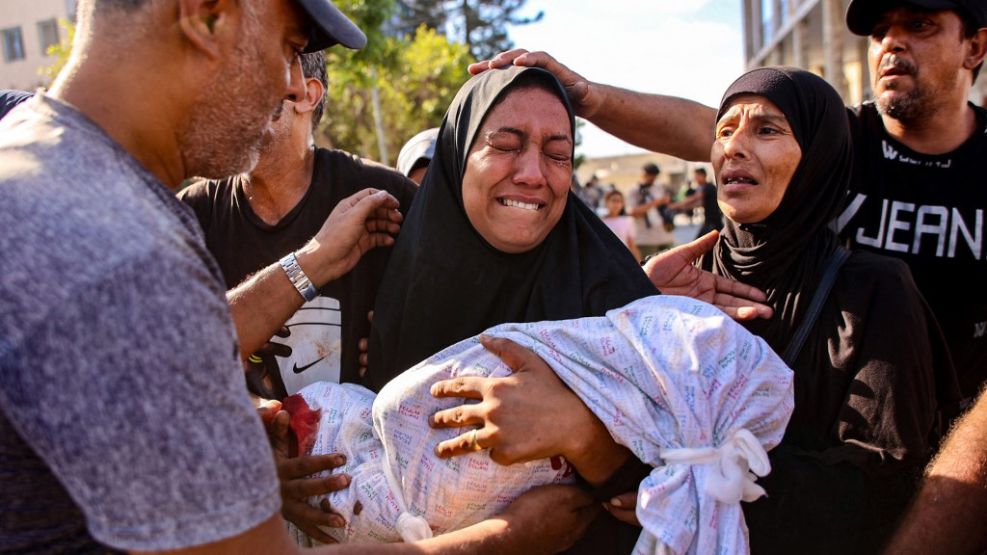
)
(684, 387)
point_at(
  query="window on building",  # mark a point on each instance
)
(767, 20)
(47, 34)
(13, 44)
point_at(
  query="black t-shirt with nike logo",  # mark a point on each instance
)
(322, 344)
(928, 211)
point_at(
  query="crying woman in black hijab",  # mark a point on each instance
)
(871, 371)
(494, 237)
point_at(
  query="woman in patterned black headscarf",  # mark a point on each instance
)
(495, 236)
(483, 246)
(871, 369)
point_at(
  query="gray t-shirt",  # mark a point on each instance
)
(124, 418)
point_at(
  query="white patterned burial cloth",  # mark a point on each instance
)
(688, 390)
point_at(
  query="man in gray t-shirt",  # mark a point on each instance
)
(116, 342)
(124, 419)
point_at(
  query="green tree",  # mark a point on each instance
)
(61, 51)
(480, 24)
(417, 77)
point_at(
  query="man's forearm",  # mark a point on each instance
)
(666, 124)
(264, 302)
(488, 537)
(947, 514)
(260, 306)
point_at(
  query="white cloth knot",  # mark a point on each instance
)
(734, 466)
(413, 528)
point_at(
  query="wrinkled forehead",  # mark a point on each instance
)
(527, 111)
(751, 105)
(526, 103)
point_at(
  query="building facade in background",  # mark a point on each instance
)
(27, 29)
(812, 34)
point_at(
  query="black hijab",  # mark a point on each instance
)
(785, 254)
(445, 283)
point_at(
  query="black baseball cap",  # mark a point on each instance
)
(862, 15)
(329, 26)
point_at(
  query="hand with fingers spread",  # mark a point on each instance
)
(585, 96)
(528, 415)
(674, 273)
(360, 222)
(298, 480)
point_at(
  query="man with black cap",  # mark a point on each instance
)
(124, 422)
(252, 220)
(917, 191)
(646, 204)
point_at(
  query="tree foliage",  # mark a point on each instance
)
(480, 24)
(416, 76)
(61, 51)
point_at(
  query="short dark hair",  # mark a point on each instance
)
(314, 67)
(700, 170)
(970, 28)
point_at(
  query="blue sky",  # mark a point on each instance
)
(688, 48)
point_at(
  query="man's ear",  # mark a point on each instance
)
(314, 91)
(977, 51)
(204, 22)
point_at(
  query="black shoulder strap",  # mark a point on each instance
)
(833, 266)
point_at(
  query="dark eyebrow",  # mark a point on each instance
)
(559, 137)
(511, 130)
(521, 134)
(770, 118)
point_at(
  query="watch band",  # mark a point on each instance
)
(298, 278)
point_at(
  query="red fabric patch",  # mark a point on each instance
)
(304, 423)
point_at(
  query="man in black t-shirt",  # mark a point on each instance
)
(918, 190)
(705, 196)
(253, 220)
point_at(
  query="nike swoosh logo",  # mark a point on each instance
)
(298, 370)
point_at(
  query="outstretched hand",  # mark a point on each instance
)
(674, 273)
(298, 480)
(528, 415)
(360, 222)
(585, 96)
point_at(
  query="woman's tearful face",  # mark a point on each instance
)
(754, 156)
(518, 170)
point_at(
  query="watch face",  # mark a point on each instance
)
(316, 340)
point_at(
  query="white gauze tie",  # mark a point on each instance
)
(736, 462)
(411, 527)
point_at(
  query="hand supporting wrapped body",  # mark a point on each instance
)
(685, 388)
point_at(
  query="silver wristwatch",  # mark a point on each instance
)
(298, 278)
